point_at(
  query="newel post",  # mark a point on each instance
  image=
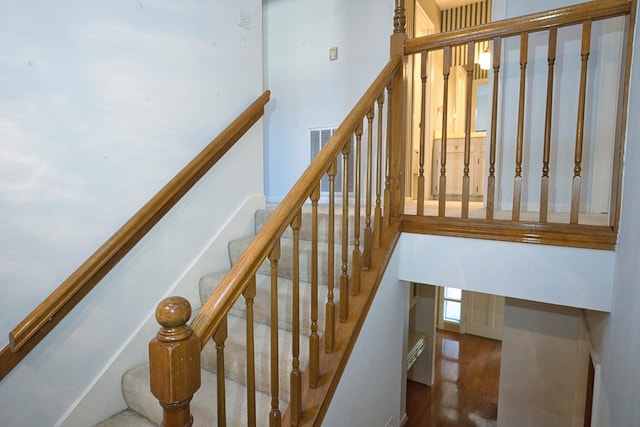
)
(397, 110)
(174, 356)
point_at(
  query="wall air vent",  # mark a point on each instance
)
(318, 138)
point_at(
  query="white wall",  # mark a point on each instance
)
(615, 338)
(104, 103)
(574, 277)
(543, 369)
(372, 389)
(308, 90)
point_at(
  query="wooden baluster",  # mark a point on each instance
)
(356, 257)
(368, 234)
(344, 276)
(544, 185)
(330, 310)
(577, 169)
(442, 187)
(174, 356)
(399, 17)
(275, 416)
(295, 404)
(517, 181)
(466, 179)
(219, 337)
(377, 215)
(491, 182)
(249, 296)
(423, 108)
(386, 215)
(314, 338)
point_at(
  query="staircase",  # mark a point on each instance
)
(143, 406)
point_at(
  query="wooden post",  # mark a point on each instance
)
(397, 109)
(174, 356)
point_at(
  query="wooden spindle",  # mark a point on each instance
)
(330, 307)
(249, 296)
(577, 168)
(377, 215)
(275, 416)
(421, 154)
(466, 179)
(368, 234)
(491, 182)
(174, 356)
(517, 181)
(219, 337)
(314, 338)
(399, 17)
(544, 184)
(356, 257)
(295, 404)
(386, 215)
(344, 275)
(442, 186)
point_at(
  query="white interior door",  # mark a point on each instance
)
(483, 314)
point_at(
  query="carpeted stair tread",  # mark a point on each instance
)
(285, 264)
(235, 367)
(262, 301)
(306, 229)
(203, 406)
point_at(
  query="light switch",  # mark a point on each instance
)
(244, 19)
(333, 54)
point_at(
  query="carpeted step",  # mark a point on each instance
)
(235, 355)
(285, 264)
(262, 301)
(323, 224)
(135, 385)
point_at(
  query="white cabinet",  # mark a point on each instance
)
(455, 165)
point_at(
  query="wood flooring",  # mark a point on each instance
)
(465, 391)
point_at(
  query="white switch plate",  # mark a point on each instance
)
(244, 19)
(333, 53)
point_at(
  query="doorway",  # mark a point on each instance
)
(469, 312)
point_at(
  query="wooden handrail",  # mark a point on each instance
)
(231, 287)
(53, 309)
(594, 10)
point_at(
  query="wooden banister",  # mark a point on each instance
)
(53, 309)
(232, 286)
(540, 21)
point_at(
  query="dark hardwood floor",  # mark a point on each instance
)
(465, 391)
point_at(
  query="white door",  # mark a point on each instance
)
(483, 314)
